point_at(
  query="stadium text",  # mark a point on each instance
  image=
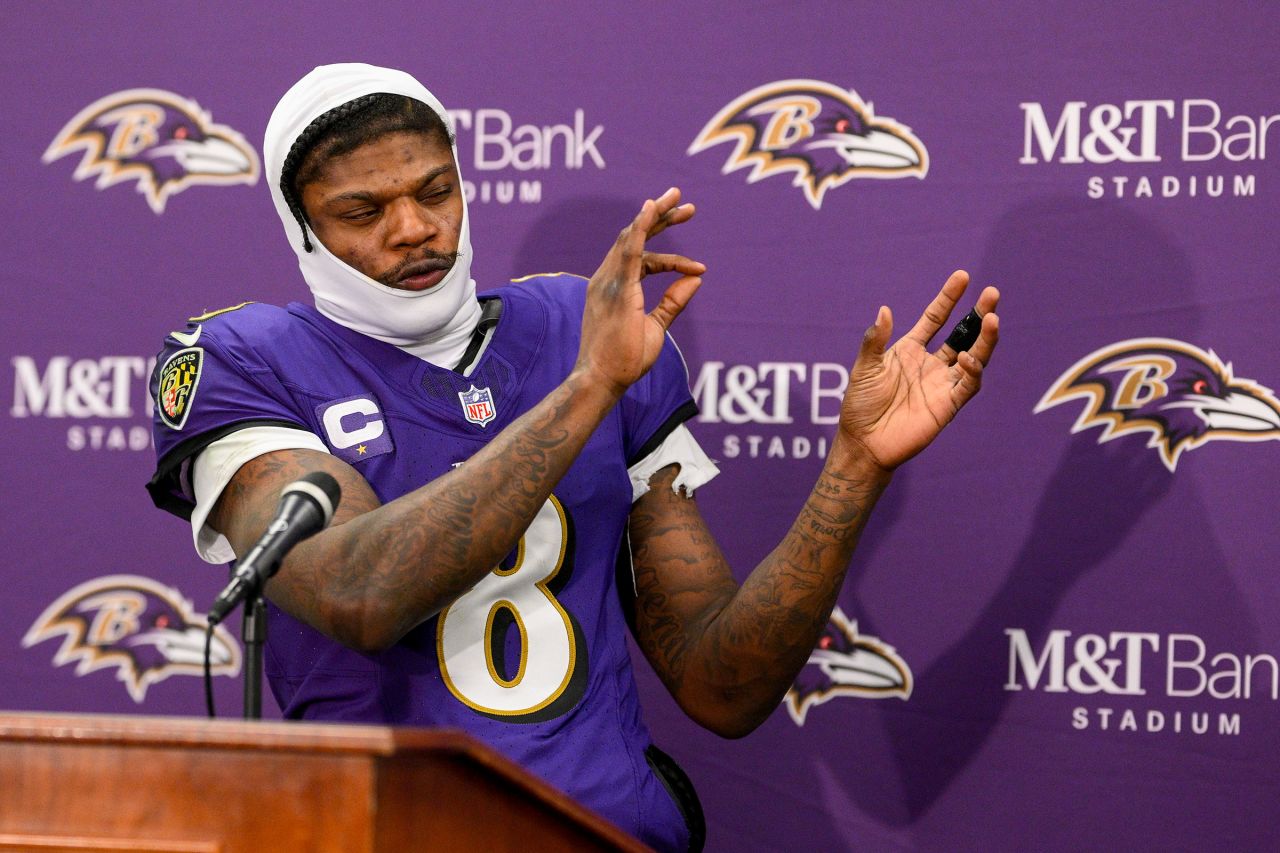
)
(111, 388)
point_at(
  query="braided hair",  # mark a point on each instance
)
(342, 130)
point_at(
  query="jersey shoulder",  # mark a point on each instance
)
(253, 337)
(247, 325)
(558, 291)
(221, 373)
(652, 407)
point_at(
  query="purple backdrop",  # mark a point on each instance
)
(1088, 631)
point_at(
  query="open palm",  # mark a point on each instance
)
(900, 397)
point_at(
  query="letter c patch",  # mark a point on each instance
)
(354, 428)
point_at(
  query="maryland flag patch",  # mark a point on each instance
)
(178, 381)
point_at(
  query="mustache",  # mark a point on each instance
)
(424, 261)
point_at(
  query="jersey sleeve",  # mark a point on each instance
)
(205, 386)
(653, 407)
(213, 468)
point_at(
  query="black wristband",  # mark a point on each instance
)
(966, 332)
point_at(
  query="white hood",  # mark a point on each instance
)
(434, 324)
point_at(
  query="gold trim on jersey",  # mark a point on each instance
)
(209, 315)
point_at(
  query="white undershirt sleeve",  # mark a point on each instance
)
(217, 464)
(678, 448)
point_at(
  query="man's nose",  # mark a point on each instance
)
(409, 223)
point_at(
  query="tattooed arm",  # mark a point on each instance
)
(729, 653)
(379, 570)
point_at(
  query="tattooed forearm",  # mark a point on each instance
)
(379, 570)
(726, 653)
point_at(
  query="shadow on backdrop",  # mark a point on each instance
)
(1067, 265)
(574, 235)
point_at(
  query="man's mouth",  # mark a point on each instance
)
(421, 275)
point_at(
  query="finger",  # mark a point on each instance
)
(644, 219)
(674, 300)
(987, 339)
(876, 338)
(970, 377)
(668, 200)
(936, 314)
(663, 206)
(630, 243)
(675, 216)
(987, 302)
(655, 262)
(669, 211)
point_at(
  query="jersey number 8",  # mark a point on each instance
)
(472, 635)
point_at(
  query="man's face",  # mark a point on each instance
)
(391, 209)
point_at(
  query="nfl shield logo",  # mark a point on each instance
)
(477, 405)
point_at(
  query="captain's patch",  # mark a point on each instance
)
(355, 428)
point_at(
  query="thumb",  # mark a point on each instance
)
(675, 299)
(876, 338)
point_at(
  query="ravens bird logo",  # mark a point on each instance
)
(822, 133)
(844, 663)
(145, 630)
(161, 140)
(1179, 394)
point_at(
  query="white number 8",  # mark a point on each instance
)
(472, 632)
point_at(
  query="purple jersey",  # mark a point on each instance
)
(533, 660)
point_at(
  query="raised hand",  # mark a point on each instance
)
(620, 342)
(901, 397)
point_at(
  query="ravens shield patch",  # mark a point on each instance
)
(179, 379)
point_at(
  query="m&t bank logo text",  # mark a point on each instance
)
(1166, 132)
(1141, 681)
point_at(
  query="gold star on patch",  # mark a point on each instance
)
(361, 450)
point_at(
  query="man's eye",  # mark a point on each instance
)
(437, 193)
(359, 215)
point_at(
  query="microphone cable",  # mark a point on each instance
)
(208, 671)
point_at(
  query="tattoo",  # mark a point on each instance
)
(713, 643)
(379, 570)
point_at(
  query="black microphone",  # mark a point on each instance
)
(306, 508)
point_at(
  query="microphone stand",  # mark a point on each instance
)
(306, 507)
(253, 632)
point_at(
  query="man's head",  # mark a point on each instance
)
(376, 182)
(360, 159)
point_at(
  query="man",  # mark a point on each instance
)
(534, 430)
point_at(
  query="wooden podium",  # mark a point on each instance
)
(74, 784)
